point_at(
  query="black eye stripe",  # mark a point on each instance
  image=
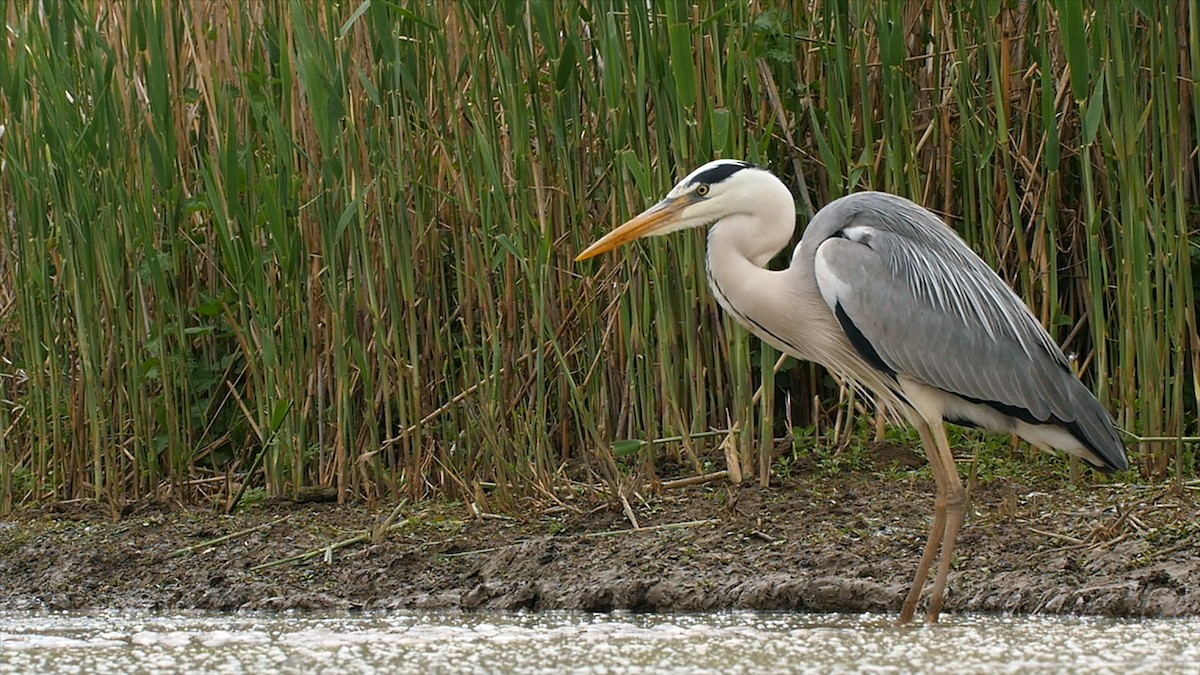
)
(719, 172)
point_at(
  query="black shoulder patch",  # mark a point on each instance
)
(861, 344)
(719, 172)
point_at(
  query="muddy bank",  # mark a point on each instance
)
(848, 543)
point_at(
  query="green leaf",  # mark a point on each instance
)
(350, 211)
(512, 10)
(683, 63)
(210, 307)
(279, 414)
(891, 41)
(358, 12)
(1094, 113)
(507, 244)
(368, 86)
(633, 164)
(720, 130)
(151, 369)
(566, 66)
(1149, 8)
(626, 447)
(1073, 31)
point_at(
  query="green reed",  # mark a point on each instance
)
(329, 245)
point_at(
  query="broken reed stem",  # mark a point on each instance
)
(628, 510)
(695, 480)
(728, 446)
(458, 398)
(1161, 439)
(313, 552)
(229, 537)
(1054, 535)
(326, 550)
(381, 530)
(785, 124)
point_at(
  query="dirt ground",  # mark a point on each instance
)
(816, 542)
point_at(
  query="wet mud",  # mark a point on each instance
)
(845, 543)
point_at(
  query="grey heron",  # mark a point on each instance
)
(885, 295)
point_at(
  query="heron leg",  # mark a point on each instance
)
(935, 532)
(955, 505)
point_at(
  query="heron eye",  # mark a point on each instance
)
(702, 189)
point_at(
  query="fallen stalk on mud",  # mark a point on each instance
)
(1063, 537)
(695, 480)
(329, 548)
(226, 538)
(588, 535)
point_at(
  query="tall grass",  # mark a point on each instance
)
(293, 245)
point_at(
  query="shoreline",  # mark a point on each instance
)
(846, 543)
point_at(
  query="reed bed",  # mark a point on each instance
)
(293, 245)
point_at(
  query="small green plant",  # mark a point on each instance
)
(252, 497)
(832, 460)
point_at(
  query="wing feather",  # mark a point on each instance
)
(933, 311)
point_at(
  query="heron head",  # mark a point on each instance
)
(721, 188)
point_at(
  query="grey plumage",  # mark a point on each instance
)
(886, 296)
(934, 311)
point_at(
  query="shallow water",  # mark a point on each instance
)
(587, 643)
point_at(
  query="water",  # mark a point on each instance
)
(587, 643)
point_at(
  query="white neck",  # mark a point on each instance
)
(782, 308)
(739, 247)
(742, 243)
(760, 227)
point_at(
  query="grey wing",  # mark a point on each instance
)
(916, 301)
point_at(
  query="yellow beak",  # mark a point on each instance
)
(646, 223)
